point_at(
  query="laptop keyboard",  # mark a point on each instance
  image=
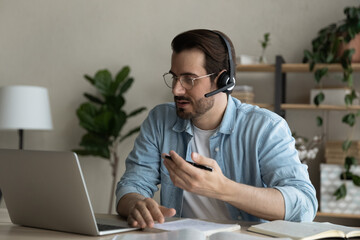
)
(106, 227)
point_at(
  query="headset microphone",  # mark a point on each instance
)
(223, 89)
(226, 80)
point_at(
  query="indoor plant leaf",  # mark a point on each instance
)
(131, 132)
(137, 111)
(349, 161)
(90, 79)
(118, 122)
(120, 77)
(320, 73)
(86, 113)
(319, 98)
(126, 85)
(93, 98)
(103, 82)
(340, 192)
(349, 119)
(346, 145)
(319, 121)
(356, 180)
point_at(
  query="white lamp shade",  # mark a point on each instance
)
(25, 107)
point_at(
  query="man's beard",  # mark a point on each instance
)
(200, 107)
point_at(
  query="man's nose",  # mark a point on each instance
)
(178, 89)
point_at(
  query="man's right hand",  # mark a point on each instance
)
(143, 212)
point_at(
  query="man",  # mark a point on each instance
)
(256, 172)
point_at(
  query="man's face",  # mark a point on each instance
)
(191, 104)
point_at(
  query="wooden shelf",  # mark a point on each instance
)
(287, 106)
(292, 67)
(256, 68)
(264, 105)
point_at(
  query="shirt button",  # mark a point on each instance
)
(216, 149)
(239, 218)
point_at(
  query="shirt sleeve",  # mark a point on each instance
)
(282, 169)
(142, 165)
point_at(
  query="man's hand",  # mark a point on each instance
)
(143, 212)
(265, 203)
(195, 180)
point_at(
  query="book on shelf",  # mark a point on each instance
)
(305, 230)
(190, 234)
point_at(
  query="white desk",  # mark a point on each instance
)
(9, 231)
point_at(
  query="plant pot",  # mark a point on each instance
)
(354, 43)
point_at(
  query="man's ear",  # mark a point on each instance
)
(217, 77)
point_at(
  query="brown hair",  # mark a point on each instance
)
(211, 44)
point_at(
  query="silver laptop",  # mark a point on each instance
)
(46, 189)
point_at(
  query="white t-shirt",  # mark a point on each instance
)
(197, 206)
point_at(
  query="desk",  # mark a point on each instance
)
(9, 231)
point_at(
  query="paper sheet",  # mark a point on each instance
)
(204, 226)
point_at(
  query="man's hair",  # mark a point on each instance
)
(211, 44)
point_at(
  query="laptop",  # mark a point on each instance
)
(46, 189)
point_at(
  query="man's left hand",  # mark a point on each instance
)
(195, 180)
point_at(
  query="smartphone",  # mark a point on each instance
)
(195, 164)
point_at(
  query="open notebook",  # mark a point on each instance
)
(46, 189)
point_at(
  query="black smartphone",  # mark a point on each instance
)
(195, 164)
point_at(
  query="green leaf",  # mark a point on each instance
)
(90, 140)
(126, 85)
(319, 98)
(346, 145)
(349, 161)
(86, 113)
(349, 119)
(131, 132)
(103, 121)
(307, 56)
(137, 111)
(348, 78)
(349, 98)
(330, 57)
(356, 180)
(90, 79)
(120, 77)
(319, 121)
(340, 192)
(120, 101)
(347, 175)
(103, 82)
(95, 144)
(118, 123)
(93, 98)
(312, 66)
(320, 73)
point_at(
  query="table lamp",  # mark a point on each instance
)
(24, 108)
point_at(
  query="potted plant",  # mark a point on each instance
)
(264, 44)
(334, 44)
(103, 118)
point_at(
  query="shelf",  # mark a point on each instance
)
(264, 105)
(292, 67)
(320, 107)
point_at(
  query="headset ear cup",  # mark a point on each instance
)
(223, 80)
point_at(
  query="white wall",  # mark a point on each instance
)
(53, 43)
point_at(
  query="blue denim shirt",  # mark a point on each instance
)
(252, 146)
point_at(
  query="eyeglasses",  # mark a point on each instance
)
(186, 81)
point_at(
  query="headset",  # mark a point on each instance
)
(226, 80)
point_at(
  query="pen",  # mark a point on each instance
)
(194, 164)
